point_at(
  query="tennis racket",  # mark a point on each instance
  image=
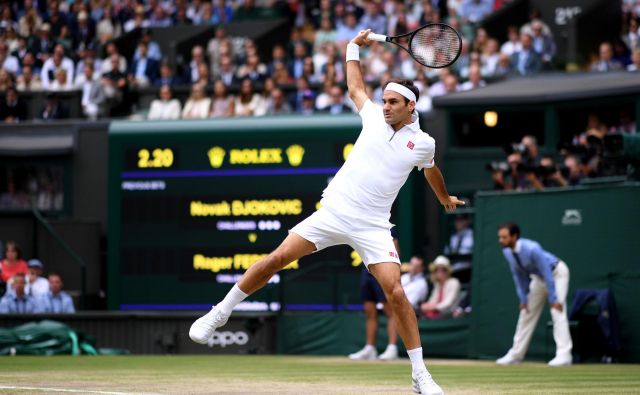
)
(435, 45)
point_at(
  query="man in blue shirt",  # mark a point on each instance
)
(18, 301)
(57, 301)
(536, 274)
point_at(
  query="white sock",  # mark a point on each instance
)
(417, 364)
(391, 346)
(232, 299)
(369, 347)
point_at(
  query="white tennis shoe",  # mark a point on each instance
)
(390, 354)
(423, 384)
(202, 329)
(368, 353)
(508, 360)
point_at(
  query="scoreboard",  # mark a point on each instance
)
(192, 204)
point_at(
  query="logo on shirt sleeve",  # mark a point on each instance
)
(410, 145)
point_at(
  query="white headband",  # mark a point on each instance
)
(403, 90)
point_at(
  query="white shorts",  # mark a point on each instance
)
(371, 240)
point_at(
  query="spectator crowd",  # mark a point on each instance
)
(24, 290)
(56, 46)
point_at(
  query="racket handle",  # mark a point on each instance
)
(377, 37)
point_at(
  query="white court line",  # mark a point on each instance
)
(8, 387)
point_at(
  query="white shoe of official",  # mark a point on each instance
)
(508, 360)
(202, 329)
(560, 361)
(368, 353)
(423, 384)
(390, 354)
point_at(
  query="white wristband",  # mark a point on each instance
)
(353, 52)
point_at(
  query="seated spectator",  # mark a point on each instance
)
(30, 22)
(159, 17)
(198, 105)
(513, 44)
(227, 71)
(280, 74)
(37, 286)
(526, 61)
(114, 83)
(504, 66)
(222, 103)
(12, 109)
(191, 71)
(446, 290)
(451, 84)
(337, 104)
(475, 80)
(8, 61)
(543, 43)
(165, 107)
(57, 301)
(438, 88)
(460, 246)
(252, 69)
(113, 60)
(605, 60)
(166, 76)
(474, 11)
(144, 69)
(635, 60)
(265, 97)
(27, 82)
(53, 109)
(278, 104)
(350, 29)
(93, 95)
(139, 20)
(84, 30)
(12, 263)
(18, 301)
(61, 82)
(308, 103)
(326, 33)
(414, 284)
(374, 18)
(247, 101)
(153, 48)
(5, 80)
(55, 62)
(490, 58)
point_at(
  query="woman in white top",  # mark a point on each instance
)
(165, 107)
(265, 97)
(222, 104)
(198, 105)
(446, 290)
(247, 101)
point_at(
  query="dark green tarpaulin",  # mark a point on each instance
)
(44, 338)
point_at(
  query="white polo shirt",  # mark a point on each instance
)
(378, 166)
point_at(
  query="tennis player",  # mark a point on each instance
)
(356, 207)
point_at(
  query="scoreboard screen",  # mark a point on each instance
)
(192, 204)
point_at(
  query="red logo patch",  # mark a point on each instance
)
(393, 254)
(410, 145)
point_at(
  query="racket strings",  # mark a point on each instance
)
(435, 45)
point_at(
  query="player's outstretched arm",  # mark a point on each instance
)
(436, 181)
(355, 82)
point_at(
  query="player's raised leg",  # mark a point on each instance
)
(292, 248)
(388, 275)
